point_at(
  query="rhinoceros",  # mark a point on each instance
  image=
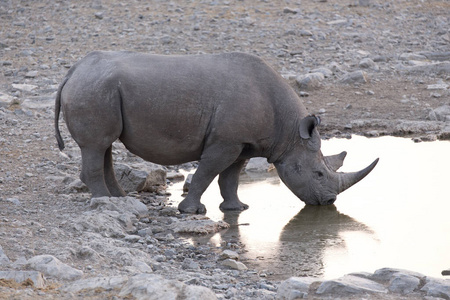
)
(218, 109)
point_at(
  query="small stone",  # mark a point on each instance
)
(103, 283)
(437, 86)
(325, 71)
(31, 74)
(258, 165)
(440, 113)
(295, 287)
(288, 10)
(337, 22)
(99, 15)
(237, 265)
(21, 276)
(4, 260)
(354, 77)
(187, 183)
(305, 33)
(13, 200)
(132, 238)
(160, 258)
(190, 264)
(24, 87)
(228, 254)
(367, 63)
(310, 81)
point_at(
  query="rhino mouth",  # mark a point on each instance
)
(327, 200)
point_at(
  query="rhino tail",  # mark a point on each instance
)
(57, 111)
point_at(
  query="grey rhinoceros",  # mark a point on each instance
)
(218, 109)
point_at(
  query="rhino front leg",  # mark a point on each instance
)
(214, 160)
(92, 171)
(228, 183)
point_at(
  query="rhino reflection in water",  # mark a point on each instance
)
(308, 235)
(218, 109)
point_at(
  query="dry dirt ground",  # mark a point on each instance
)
(40, 40)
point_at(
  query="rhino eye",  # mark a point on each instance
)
(297, 168)
(318, 174)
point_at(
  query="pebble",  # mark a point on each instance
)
(237, 265)
(31, 74)
(310, 81)
(354, 77)
(288, 10)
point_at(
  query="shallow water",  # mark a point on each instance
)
(398, 216)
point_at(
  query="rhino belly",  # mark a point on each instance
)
(165, 143)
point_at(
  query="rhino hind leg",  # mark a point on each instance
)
(92, 171)
(228, 183)
(110, 178)
(214, 160)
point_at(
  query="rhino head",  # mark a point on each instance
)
(311, 176)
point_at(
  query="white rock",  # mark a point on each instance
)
(386, 274)
(338, 22)
(21, 276)
(428, 68)
(349, 285)
(295, 288)
(24, 87)
(31, 74)
(106, 283)
(237, 265)
(51, 266)
(258, 165)
(354, 77)
(440, 113)
(325, 71)
(403, 283)
(310, 81)
(4, 260)
(412, 56)
(198, 224)
(228, 254)
(437, 86)
(120, 204)
(437, 287)
(367, 63)
(155, 287)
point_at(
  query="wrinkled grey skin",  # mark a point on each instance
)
(218, 109)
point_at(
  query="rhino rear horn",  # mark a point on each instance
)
(346, 180)
(334, 162)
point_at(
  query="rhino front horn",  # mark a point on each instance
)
(346, 180)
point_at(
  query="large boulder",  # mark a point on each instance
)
(141, 177)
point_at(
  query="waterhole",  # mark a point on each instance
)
(398, 216)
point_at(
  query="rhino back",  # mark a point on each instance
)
(172, 106)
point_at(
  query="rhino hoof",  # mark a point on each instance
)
(192, 209)
(224, 206)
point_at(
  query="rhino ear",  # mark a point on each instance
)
(307, 126)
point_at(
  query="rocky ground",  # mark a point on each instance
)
(366, 67)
